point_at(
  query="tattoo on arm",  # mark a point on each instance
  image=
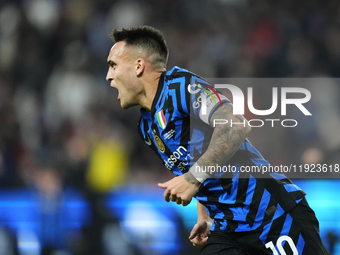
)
(191, 179)
(226, 140)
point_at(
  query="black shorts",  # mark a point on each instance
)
(293, 233)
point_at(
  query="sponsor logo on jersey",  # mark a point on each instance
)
(159, 143)
(175, 158)
(169, 134)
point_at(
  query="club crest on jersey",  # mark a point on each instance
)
(159, 143)
(161, 119)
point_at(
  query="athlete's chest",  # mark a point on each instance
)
(167, 129)
(168, 133)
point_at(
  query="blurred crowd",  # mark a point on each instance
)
(60, 122)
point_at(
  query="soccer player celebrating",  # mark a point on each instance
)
(238, 213)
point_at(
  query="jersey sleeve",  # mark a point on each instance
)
(203, 99)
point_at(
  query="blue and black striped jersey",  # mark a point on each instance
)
(177, 129)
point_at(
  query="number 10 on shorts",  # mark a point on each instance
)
(279, 245)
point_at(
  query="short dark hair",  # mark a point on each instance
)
(146, 37)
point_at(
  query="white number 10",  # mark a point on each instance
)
(279, 246)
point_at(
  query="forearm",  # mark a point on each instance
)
(224, 143)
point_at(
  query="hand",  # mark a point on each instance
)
(199, 233)
(179, 190)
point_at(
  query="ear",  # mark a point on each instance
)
(140, 66)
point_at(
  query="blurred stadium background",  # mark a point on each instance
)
(75, 178)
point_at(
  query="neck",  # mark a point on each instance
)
(150, 89)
